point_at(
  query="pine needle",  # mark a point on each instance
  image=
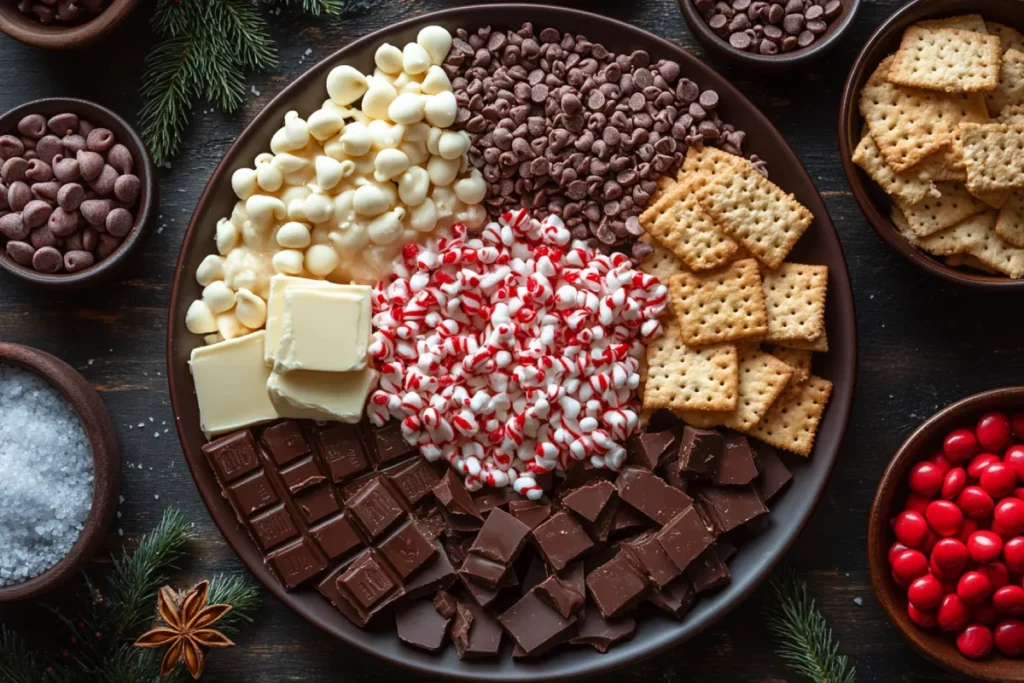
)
(803, 637)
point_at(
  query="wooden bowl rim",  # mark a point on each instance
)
(769, 63)
(106, 465)
(148, 196)
(32, 32)
(861, 185)
(936, 648)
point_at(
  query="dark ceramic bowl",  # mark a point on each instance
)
(873, 201)
(889, 497)
(106, 466)
(754, 560)
(801, 57)
(55, 36)
(144, 210)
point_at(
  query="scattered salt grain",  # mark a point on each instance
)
(858, 601)
(46, 489)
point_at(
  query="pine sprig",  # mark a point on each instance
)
(803, 637)
(205, 49)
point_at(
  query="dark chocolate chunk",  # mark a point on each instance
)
(561, 540)
(296, 563)
(252, 494)
(421, 625)
(650, 494)
(501, 538)
(437, 574)
(699, 453)
(414, 481)
(685, 537)
(342, 451)
(601, 528)
(601, 633)
(337, 536)
(736, 466)
(233, 456)
(589, 501)
(301, 475)
(732, 507)
(530, 512)
(488, 498)
(390, 444)
(774, 473)
(375, 508)
(476, 634)
(652, 558)
(406, 550)
(480, 570)
(452, 494)
(430, 522)
(368, 584)
(444, 603)
(651, 447)
(583, 473)
(460, 524)
(628, 520)
(317, 504)
(708, 571)
(676, 598)
(272, 528)
(536, 573)
(561, 594)
(535, 626)
(285, 442)
(616, 586)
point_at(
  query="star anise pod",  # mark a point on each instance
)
(188, 620)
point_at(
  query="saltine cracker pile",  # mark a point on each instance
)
(742, 323)
(944, 137)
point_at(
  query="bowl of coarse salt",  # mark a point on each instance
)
(59, 468)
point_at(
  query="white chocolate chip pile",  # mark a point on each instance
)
(342, 191)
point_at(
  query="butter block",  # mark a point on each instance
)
(279, 284)
(231, 384)
(324, 330)
(316, 395)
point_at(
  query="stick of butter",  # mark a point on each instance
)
(231, 384)
(325, 330)
(323, 395)
(279, 284)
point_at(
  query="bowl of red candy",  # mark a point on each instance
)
(946, 537)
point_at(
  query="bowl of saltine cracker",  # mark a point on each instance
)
(931, 134)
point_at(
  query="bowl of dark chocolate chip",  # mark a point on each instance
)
(76, 193)
(62, 24)
(59, 456)
(769, 35)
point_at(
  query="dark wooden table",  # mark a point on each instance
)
(923, 344)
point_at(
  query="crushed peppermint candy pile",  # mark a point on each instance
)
(513, 353)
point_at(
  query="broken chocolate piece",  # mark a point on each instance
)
(708, 571)
(676, 598)
(407, 549)
(530, 512)
(628, 520)
(732, 507)
(452, 494)
(601, 633)
(685, 537)
(437, 574)
(414, 481)
(736, 467)
(774, 474)
(650, 494)
(391, 444)
(421, 625)
(564, 597)
(616, 586)
(561, 539)
(652, 558)
(700, 451)
(475, 632)
(487, 573)
(589, 501)
(488, 498)
(536, 626)
(501, 538)
(444, 603)
(652, 447)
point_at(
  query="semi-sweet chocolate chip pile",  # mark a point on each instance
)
(356, 512)
(67, 193)
(561, 125)
(769, 28)
(63, 11)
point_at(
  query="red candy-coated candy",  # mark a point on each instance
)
(998, 480)
(917, 503)
(922, 618)
(1008, 517)
(925, 478)
(1013, 554)
(894, 550)
(985, 614)
(984, 546)
(1009, 637)
(968, 527)
(975, 502)
(909, 565)
(973, 588)
(949, 558)
(978, 464)
(910, 528)
(1014, 459)
(925, 592)
(993, 431)
(997, 573)
(939, 460)
(975, 642)
(1017, 425)
(953, 483)
(944, 517)
(1009, 601)
(953, 614)
(960, 445)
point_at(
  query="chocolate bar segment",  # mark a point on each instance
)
(616, 587)
(233, 456)
(651, 556)
(529, 512)
(601, 633)
(390, 445)
(561, 595)
(650, 494)
(699, 453)
(375, 508)
(476, 634)
(774, 475)
(736, 466)
(685, 537)
(406, 550)
(295, 563)
(732, 507)
(709, 571)
(285, 442)
(561, 540)
(652, 447)
(536, 626)
(421, 625)
(589, 500)
(501, 538)
(341, 450)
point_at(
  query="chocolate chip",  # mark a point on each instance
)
(62, 223)
(48, 147)
(99, 140)
(10, 146)
(12, 226)
(63, 124)
(805, 39)
(46, 191)
(817, 27)
(47, 260)
(70, 196)
(33, 126)
(20, 252)
(78, 260)
(18, 195)
(793, 24)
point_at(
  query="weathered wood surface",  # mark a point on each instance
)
(922, 345)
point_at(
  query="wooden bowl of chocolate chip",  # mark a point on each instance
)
(62, 25)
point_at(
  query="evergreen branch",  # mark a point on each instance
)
(314, 7)
(17, 662)
(168, 91)
(248, 31)
(804, 639)
(242, 594)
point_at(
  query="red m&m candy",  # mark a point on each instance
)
(953, 483)
(1009, 601)
(909, 565)
(920, 617)
(978, 464)
(973, 587)
(925, 478)
(1013, 554)
(984, 546)
(997, 574)
(949, 558)
(1014, 459)
(975, 502)
(975, 642)
(1017, 425)
(998, 480)
(925, 592)
(993, 431)
(944, 517)
(1009, 637)
(1008, 517)
(953, 614)
(910, 528)
(960, 445)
